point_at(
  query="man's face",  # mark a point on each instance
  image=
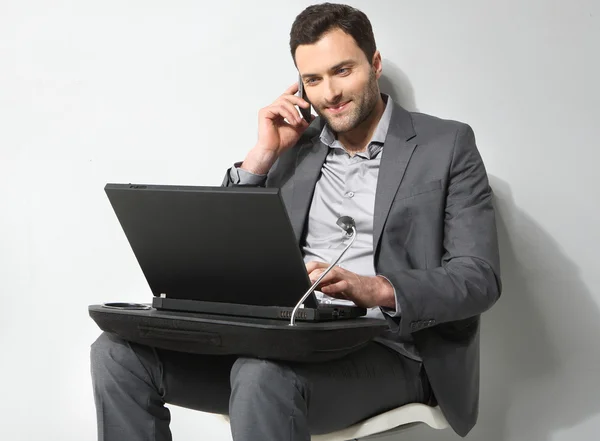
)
(340, 82)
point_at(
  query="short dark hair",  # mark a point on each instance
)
(316, 20)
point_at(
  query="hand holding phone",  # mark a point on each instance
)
(279, 128)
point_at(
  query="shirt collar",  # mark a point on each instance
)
(377, 140)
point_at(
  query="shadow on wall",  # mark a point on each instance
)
(540, 357)
(539, 351)
(395, 83)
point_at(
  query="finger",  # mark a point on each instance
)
(293, 101)
(300, 128)
(292, 109)
(330, 277)
(289, 113)
(337, 289)
(316, 272)
(296, 100)
(314, 264)
(314, 275)
(292, 89)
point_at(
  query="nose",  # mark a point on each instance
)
(332, 92)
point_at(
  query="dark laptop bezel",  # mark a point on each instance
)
(152, 216)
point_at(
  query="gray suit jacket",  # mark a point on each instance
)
(434, 238)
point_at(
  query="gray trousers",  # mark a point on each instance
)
(266, 400)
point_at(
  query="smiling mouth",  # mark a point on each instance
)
(338, 108)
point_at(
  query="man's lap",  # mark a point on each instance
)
(338, 393)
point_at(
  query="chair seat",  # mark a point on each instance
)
(393, 420)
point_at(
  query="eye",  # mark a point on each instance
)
(343, 71)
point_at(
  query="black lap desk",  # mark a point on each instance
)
(226, 335)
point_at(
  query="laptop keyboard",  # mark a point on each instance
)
(325, 300)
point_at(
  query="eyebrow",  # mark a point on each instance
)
(333, 68)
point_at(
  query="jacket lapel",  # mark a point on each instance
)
(308, 168)
(396, 154)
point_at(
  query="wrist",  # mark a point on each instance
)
(259, 161)
(385, 293)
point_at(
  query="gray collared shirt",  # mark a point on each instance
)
(346, 187)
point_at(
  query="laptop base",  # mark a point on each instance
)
(322, 313)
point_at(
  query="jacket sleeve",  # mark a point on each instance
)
(467, 282)
(237, 176)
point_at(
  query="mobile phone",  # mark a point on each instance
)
(306, 113)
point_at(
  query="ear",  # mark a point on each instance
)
(377, 64)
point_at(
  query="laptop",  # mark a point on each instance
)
(219, 250)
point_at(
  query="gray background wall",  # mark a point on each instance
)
(143, 91)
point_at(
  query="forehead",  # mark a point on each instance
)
(334, 47)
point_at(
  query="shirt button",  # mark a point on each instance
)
(350, 194)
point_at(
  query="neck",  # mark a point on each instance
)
(356, 140)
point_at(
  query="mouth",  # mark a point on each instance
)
(338, 108)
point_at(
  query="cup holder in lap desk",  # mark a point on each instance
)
(124, 305)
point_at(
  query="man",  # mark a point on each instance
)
(425, 259)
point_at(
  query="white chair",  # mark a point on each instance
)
(390, 422)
